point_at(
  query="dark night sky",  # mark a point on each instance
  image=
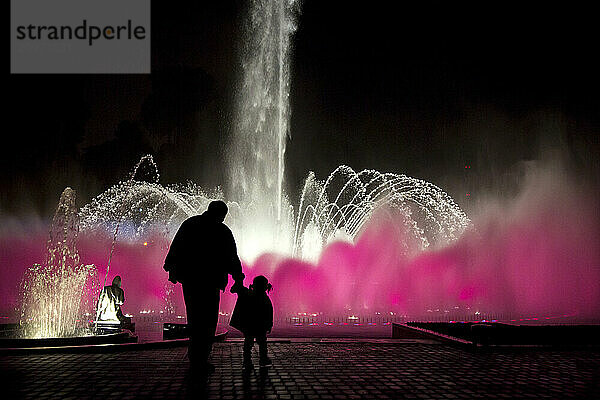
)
(420, 90)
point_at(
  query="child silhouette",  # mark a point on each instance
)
(253, 316)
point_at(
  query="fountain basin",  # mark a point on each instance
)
(498, 334)
(10, 339)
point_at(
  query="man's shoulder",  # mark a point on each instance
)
(200, 223)
(224, 228)
(194, 220)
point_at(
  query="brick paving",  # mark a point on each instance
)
(305, 370)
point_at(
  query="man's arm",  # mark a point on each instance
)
(235, 265)
(239, 288)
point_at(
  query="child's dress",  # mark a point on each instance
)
(253, 316)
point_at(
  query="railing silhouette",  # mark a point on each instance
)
(323, 319)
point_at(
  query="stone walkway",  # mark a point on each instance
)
(304, 370)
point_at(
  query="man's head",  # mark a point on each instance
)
(218, 210)
(117, 281)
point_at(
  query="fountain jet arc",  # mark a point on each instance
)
(336, 209)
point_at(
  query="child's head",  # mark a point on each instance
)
(261, 284)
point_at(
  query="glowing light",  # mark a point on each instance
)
(58, 294)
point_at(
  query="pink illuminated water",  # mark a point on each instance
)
(539, 257)
(536, 256)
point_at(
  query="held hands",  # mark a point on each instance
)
(172, 276)
(239, 283)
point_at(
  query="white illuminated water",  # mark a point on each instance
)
(261, 126)
(58, 296)
(334, 209)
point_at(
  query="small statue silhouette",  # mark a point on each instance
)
(111, 299)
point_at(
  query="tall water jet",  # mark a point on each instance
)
(58, 295)
(262, 114)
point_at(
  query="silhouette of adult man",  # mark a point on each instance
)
(202, 255)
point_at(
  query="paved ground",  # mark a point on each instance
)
(308, 370)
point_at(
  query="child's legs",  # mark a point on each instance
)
(262, 346)
(248, 344)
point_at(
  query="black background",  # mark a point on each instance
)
(424, 90)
